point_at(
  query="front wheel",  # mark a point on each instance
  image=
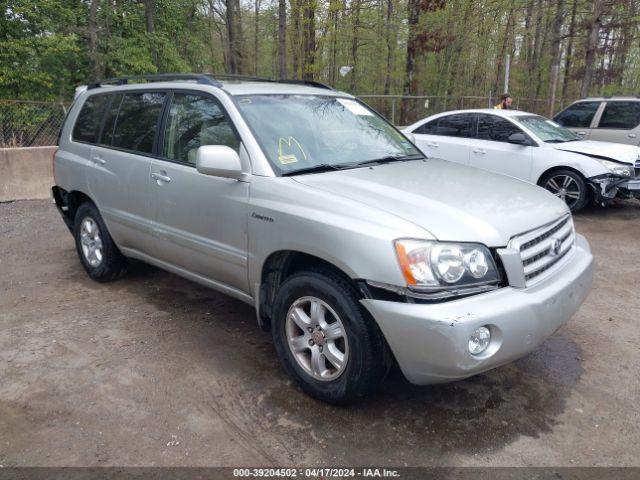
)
(568, 186)
(324, 338)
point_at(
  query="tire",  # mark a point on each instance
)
(365, 355)
(569, 186)
(98, 254)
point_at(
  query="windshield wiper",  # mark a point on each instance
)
(323, 167)
(388, 159)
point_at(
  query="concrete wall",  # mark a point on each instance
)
(25, 173)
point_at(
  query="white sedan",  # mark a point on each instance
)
(534, 149)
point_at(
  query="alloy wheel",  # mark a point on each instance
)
(317, 339)
(91, 241)
(566, 188)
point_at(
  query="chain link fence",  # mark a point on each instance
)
(404, 109)
(25, 123)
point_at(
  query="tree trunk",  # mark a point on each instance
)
(282, 39)
(569, 53)
(309, 39)
(295, 44)
(256, 26)
(556, 39)
(93, 39)
(234, 36)
(391, 39)
(355, 43)
(413, 19)
(149, 15)
(593, 31)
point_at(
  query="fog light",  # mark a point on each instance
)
(479, 340)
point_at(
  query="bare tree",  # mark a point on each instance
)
(309, 39)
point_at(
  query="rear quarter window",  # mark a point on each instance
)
(87, 127)
(621, 115)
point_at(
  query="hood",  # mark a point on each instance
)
(451, 201)
(605, 150)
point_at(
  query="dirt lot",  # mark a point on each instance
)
(156, 370)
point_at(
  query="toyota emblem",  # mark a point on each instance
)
(556, 245)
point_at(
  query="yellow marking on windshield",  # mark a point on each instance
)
(289, 143)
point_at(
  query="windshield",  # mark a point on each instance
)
(313, 132)
(547, 130)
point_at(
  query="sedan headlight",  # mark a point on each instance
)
(431, 265)
(618, 168)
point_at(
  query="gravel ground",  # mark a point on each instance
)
(156, 370)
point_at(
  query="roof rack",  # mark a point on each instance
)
(203, 78)
(160, 77)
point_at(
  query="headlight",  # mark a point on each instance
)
(438, 265)
(618, 168)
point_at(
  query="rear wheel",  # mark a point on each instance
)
(569, 186)
(324, 338)
(98, 253)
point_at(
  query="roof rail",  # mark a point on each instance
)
(160, 77)
(249, 78)
(203, 78)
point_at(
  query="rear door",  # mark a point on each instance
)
(118, 175)
(448, 137)
(492, 151)
(579, 117)
(201, 220)
(619, 123)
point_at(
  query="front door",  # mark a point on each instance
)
(491, 151)
(200, 220)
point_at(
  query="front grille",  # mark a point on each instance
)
(637, 167)
(543, 248)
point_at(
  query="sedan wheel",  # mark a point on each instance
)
(569, 187)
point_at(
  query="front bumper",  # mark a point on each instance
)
(430, 341)
(608, 187)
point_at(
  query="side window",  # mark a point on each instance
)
(578, 115)
(137, 121)
(87, 127)
(193, 121)
(110, 119)
(622, 115)
(428, 128)
(458, 125)
(494, 128)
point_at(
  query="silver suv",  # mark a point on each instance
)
(356, 251)
(608, 119)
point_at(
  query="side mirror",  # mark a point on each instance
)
(518, 139)
(218, 161)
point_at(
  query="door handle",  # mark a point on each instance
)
(581, 133)
(98, 160)
(479, 151)
(432, 144)
(632, 135)
(160, 177)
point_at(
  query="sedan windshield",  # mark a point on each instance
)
(547, 130)
(306, 133)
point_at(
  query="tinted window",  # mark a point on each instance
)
(429, 128)
(578, 115)
(194, 121)
(458, 125)
(87, 127)
(492, 127)
(624, 115)
(137, 121)
(110, 119)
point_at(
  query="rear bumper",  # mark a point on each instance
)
(430, 342)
